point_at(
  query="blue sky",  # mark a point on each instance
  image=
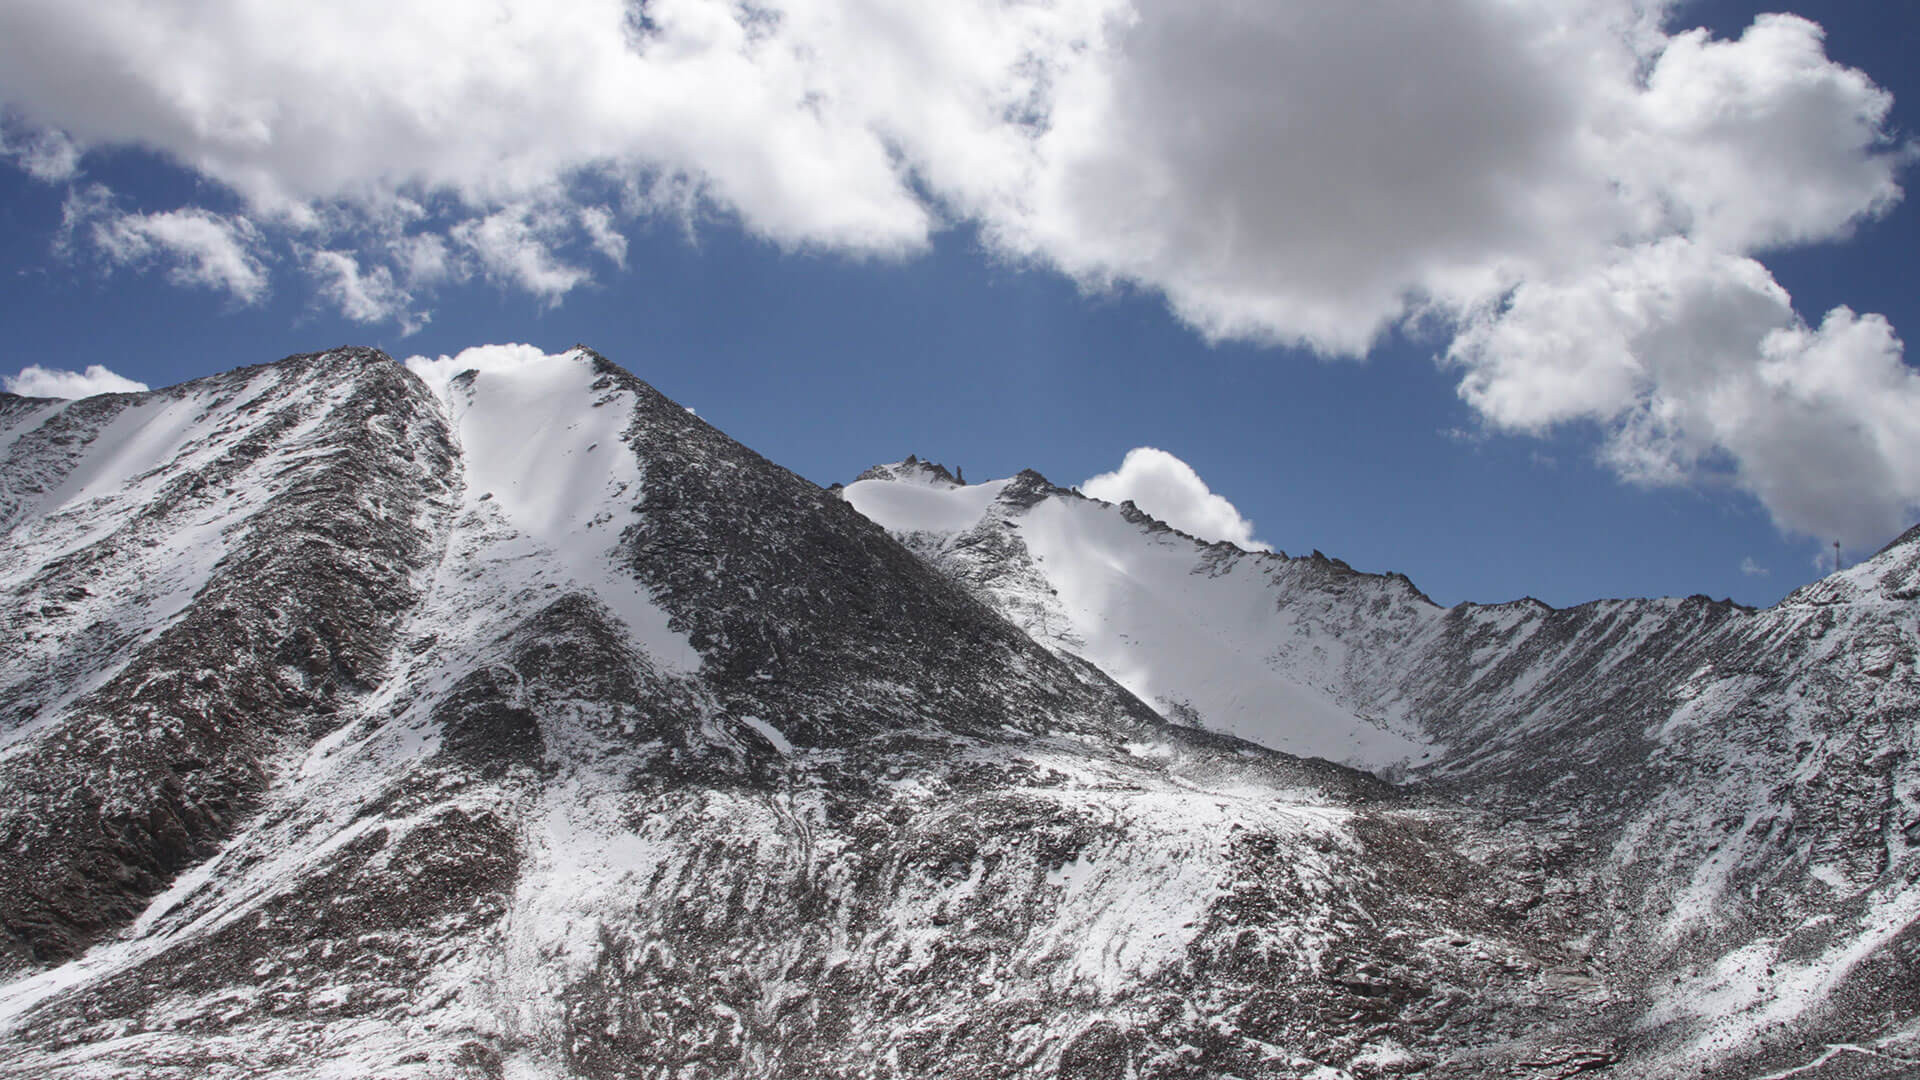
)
(1007, 297)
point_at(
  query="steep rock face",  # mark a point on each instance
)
(1733, 792)
(517, 722)
(198, 581)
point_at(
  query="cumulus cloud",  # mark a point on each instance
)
(1169, 489)
(438, 371)
(767, 108)
(1697, 367)
(1294, 173)
(36, 381)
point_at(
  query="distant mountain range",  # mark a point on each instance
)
(359, 720)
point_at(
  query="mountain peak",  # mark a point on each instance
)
(912, 469)
(1027, 487)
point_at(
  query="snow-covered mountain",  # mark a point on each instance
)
(1207, 634)
(1737, 788)
(366, 720)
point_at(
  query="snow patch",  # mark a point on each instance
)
(770, 733)
(546, 458)
(904, 506)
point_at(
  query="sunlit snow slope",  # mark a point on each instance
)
(1192, 628)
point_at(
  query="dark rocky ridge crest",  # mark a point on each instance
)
(912, 466)
(795, 601)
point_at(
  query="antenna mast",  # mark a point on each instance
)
(1836, 556)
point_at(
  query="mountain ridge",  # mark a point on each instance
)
(1621, 721)
(585, 705)
(525, 724)
(1130, 508)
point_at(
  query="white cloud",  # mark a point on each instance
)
(362, 296)
(607, 238)
(1312, 174)
(36, 381)
(1317, 174)
(516, 247)
(1753, 569)
(425, 261)
(1698, 368)
(198, 248)
(47, 156)
(289, 104)
(438, 371)
(1763, 141)
(1169, 489)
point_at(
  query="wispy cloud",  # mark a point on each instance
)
(1753, 569)
(516, 247)
(195, 247)
(46, 155)
(363, 296)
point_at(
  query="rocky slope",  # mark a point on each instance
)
(1733, 793)
(362, 720)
